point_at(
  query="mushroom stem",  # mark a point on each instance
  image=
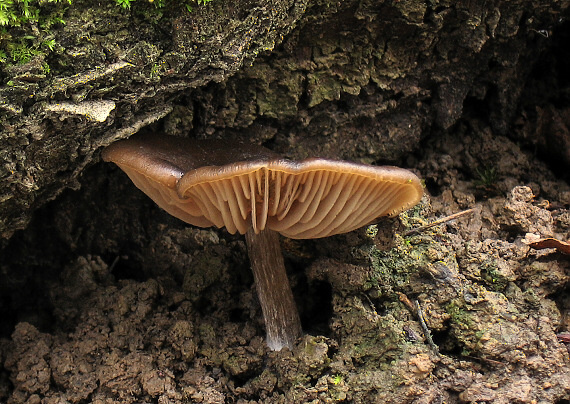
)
(282, 322)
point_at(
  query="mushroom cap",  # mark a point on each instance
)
(240, 186)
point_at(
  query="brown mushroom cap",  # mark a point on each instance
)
(241, 186)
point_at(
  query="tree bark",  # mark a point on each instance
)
(362, 80)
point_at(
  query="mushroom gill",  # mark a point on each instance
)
(309, 199)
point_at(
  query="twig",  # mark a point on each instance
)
(417, 310)
(112, 266)
(425, 328)
(439, 221)
(370, 303)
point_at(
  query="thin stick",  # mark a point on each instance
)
(425, 328)
(439, 221)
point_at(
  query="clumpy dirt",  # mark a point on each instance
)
(176, 318)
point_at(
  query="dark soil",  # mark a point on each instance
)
(178, 321)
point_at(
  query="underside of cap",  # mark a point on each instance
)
(155, 163)
(197, 182)
(308, 199)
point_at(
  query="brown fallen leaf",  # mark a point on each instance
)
(550, 242)
(564, 337)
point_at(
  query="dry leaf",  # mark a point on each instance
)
(564, 337)
(550, 242)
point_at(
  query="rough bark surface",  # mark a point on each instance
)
(112, 73)
(105, 298)
(393, 69)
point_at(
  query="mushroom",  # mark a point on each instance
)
(251, 190)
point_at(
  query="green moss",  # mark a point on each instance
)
(337, 379)
(26, 28)
(493, 276)
(459, 316)
(487, 177)
(391, 270)
(16, 13)
(20, 52)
